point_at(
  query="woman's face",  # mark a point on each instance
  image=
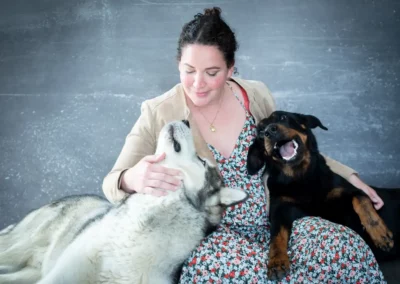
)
(203, 73)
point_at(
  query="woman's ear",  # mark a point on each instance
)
(231, 70)
(255, 156)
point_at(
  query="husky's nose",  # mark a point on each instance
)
(271, 130)
(186, 122)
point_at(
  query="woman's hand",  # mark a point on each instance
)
(357, 182)
(150, 178)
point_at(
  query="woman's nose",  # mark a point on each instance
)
(198, 81)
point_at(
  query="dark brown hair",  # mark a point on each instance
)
(209, 29)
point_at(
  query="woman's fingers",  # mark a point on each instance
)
(378, 202)
(152, 178)
(155, 183)
(154, 191)
(154, 158)
(164, 170)
(166, 178)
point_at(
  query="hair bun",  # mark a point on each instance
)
(215, 11)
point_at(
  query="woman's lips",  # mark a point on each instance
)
(201, 94)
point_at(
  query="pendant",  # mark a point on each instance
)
(212, 128)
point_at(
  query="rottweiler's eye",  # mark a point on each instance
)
(283, 117)
(202, 161)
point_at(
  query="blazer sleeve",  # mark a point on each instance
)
(269, 105)
(140, 142)
(342, 170)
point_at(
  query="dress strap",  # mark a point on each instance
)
(245, 103)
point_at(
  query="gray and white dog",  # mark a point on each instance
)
(144, 239)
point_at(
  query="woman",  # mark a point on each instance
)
(223, 112)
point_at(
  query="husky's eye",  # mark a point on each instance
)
(283, 117)
(202, 161)
(177, 146)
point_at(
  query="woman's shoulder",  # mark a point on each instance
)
(252, 85)
(256, 89)
(261, 100)
(171, 97)
(167, 107)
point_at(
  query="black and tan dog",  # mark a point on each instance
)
(302, 184)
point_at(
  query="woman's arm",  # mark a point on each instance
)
(352, 176)
(136, 168)
(357, 182)
(139, 143)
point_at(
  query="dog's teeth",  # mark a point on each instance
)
(295, 145)
(294, 153)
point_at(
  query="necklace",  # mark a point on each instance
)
(212, 126)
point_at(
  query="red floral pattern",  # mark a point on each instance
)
(237, 252)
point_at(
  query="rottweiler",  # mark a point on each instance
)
(301, 184)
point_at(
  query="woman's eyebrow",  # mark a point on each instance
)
(209, 68)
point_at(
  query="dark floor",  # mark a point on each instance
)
(73, 74)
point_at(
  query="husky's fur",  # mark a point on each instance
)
(144, 239)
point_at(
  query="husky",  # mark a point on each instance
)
(143, 239)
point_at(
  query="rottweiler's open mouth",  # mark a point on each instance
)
(286, 149)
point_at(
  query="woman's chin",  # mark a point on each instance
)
(199, 101)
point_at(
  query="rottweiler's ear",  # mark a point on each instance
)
(255, 157)
(311, 121)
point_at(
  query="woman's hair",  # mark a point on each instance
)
(209, 29)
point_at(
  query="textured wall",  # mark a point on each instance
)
(73, 74)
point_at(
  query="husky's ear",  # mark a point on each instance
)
(231, 196)
(255, 157)
(310, 121)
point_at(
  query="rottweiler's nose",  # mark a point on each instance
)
(186, 122)
(271, 130)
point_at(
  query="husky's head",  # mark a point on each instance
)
(202, 184)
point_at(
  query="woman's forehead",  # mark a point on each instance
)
(202, 56)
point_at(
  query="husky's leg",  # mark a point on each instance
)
(15, 252)
(71, 270)
(79, 259)
(4, 269)
(7, 229)
(27, 275)
(29, 238)
(15, 256)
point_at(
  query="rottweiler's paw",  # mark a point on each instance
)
(382, 236)
(386, 242)
(278, 267)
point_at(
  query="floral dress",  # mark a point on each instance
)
(237, 252)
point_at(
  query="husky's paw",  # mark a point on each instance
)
(278, 267)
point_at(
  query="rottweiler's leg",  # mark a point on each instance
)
(372, 222)
(362, 205)
(282, 215)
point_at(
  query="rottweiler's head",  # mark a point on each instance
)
(284, 141)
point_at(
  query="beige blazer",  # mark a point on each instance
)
(156, 112)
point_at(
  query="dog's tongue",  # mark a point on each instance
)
(287, 150)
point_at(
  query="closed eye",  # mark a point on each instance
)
(202, 161)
